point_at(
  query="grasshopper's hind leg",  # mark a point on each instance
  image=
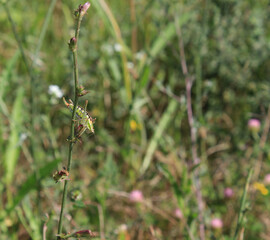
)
(79, 131)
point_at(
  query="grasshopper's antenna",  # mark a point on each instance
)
(86, 102)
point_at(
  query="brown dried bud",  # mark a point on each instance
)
(61, 175)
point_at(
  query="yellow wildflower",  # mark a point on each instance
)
(261, 188)
(133, 125)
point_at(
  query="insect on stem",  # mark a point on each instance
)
(85, 121)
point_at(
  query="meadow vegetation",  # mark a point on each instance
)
(180, 93)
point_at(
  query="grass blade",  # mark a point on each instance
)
(44, 29)
(6, 76)
(107, 16)
(159, 44)
(34, 220)
(242, 209)
(165, 119)
(167, 34)
(13, 149)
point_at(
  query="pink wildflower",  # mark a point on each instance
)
(84, 8)
(267, 179)
(254, 125)
(228, 192)
(136, 196)
(178, 213)
(216, 223)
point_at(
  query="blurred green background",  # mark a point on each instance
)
(129, 60)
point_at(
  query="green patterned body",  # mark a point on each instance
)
(82, 115)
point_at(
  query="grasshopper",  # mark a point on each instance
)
(85, 120)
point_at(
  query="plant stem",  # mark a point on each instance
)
(243, 205)
(18, 40)
(258, 165)
(43, 31)
(193, 132)
(134, 27)
(76, 81)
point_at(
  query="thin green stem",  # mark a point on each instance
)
(17, 39)
(78, 26)
(193, 133)
(43, 31)
(243, 205)
(76, 81)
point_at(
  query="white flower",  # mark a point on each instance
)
(56, 91)
(140, 55)
(130, 65)
(122, 228)
(107, 49)
(22, 138)
(118, 47)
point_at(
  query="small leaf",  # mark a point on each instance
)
(79, 204)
